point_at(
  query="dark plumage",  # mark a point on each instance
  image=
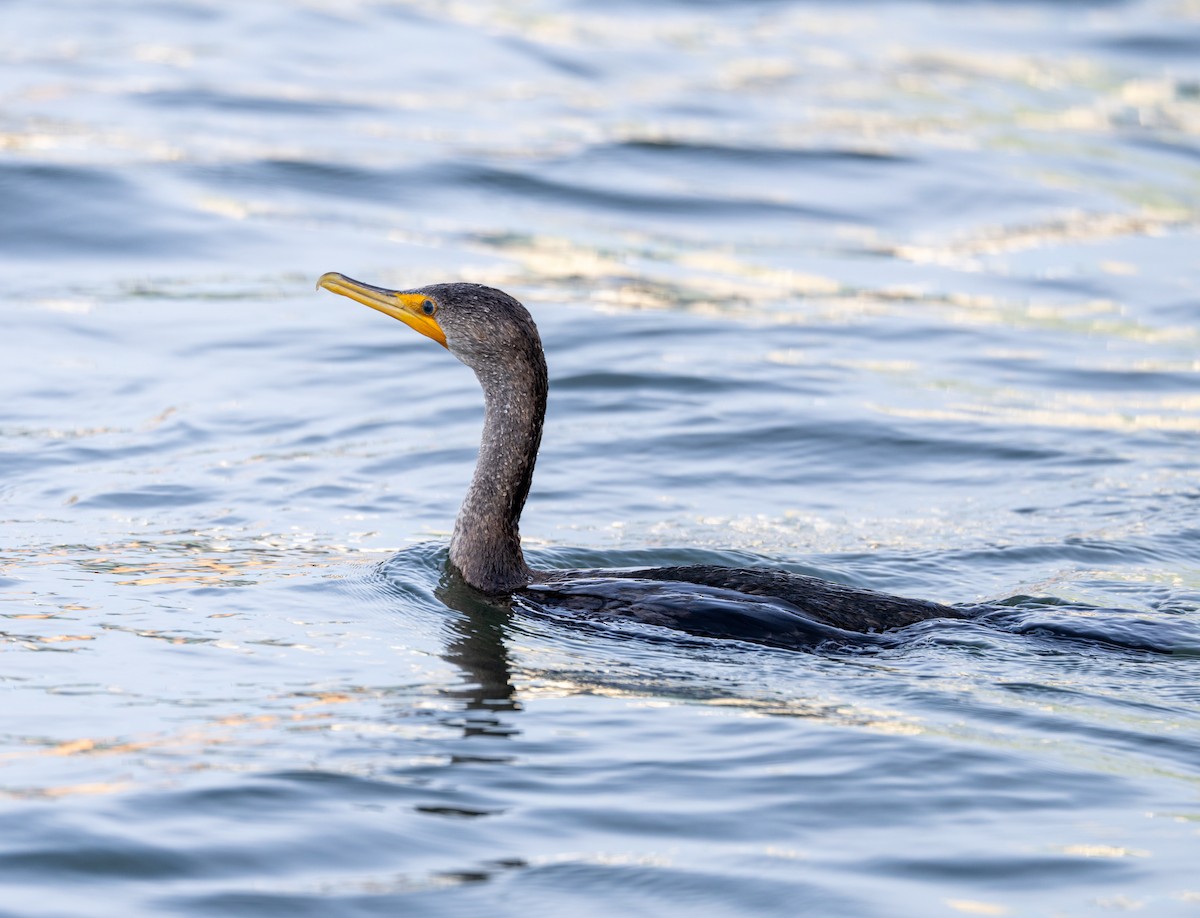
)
(495, 336)
(789, 595)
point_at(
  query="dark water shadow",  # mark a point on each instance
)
(1053, 624)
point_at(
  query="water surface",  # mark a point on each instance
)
(905, 295)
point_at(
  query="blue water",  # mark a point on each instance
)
(905, 295)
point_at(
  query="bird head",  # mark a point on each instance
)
(479, 325)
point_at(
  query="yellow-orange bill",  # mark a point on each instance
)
(407, 307)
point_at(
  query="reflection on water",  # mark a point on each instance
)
(901, 295)
(477, 646)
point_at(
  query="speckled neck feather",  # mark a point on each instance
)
(486, 546)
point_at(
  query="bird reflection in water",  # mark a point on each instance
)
(477, 647)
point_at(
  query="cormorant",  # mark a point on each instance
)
(494, 335)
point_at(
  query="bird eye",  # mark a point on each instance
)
(429, 307)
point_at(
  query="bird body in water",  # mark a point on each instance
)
(494, 335)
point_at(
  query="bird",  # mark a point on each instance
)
(496, 337)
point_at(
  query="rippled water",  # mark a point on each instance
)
(903, 295)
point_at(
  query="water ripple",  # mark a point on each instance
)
(878, 293)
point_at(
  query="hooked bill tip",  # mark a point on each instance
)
(328, 275)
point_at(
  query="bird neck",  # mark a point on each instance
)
(486, 546)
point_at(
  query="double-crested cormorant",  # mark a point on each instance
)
(494, 335)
